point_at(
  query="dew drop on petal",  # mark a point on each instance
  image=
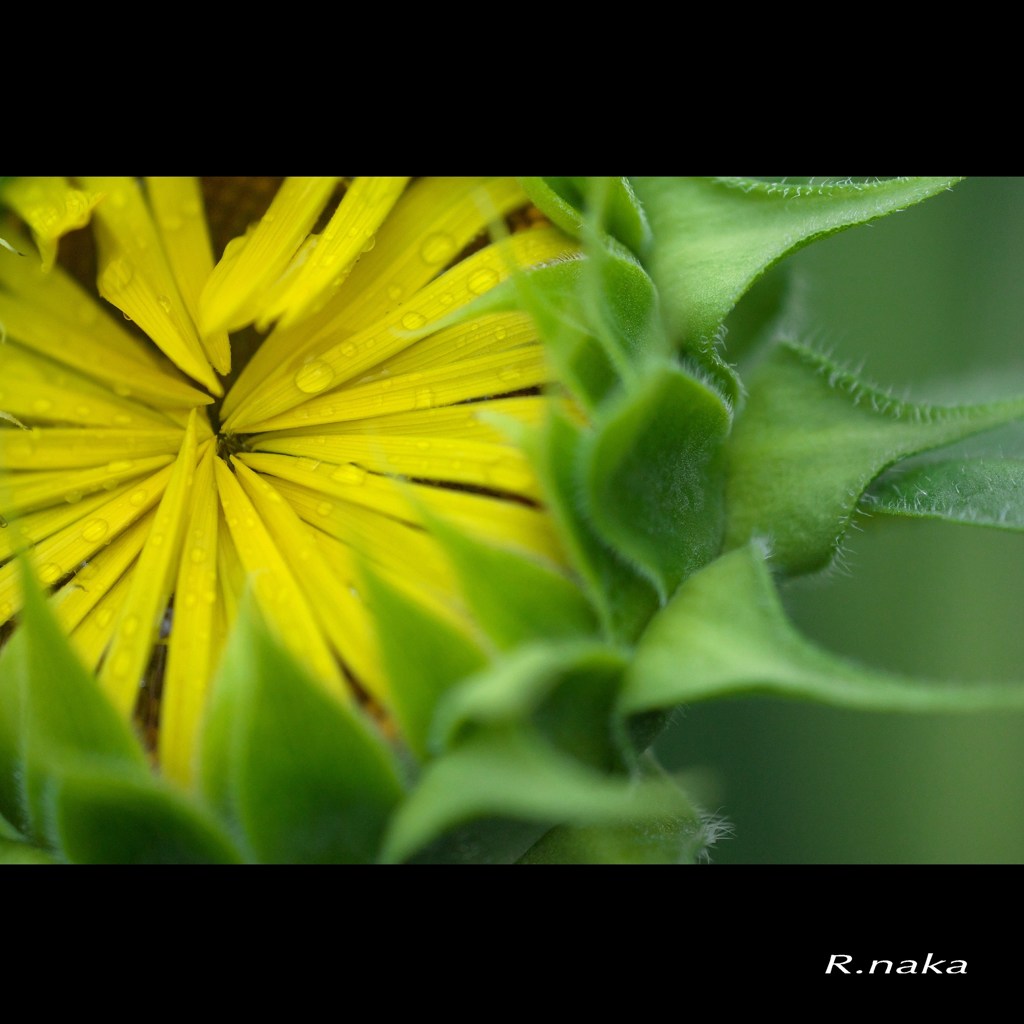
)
(50, 573)
(437, 248)
(95, 529)
(314, 377)
(138, 498)
(72, 497)
(104, 617)
(116, 276)
(424, 398)
(325, 508)
(42, 405)
(482, 280)
(413, 320)
(130, 626)
(394, 292)
(197, 554)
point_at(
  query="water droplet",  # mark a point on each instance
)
(72, 497)
(348, 349)
(83, 411)
(164, 303)
(308, 464)
(394, 292)
(156, 540)
(138, 498)
(325, 508)
(314, 377)
(510, 373)
(88, 572)
(369, 243)
(482, 280)
(197, 554)
(413, 320)
(42, 405)
(50, 573)
(120, 466)
(122, 419)
(171, 222)
(500, 333)
(130, 626)
(349, 474)
(437, 248)
(104, 617)
(424, 398)
(121, 390)
(189, 600)
(446, 298)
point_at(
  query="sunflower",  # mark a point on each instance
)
(297, 412)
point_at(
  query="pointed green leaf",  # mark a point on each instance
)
(12, 758)
(679, 838)
(508, 772)
(514, 598)
(13, 852)
(980, 492)
(811, 439)
(624, 599)
(111, 817)
(66, 720)
(563, 199)
(653, 475)
(566, 691)
(713, 237)
(295, 771)
(724, 633)
(424, 655)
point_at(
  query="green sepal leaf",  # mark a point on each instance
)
(713, 237)
(980, 492)
(66, 722)
(112, 817)
(509, 772)
(424, 654)
(610, 201)
(514, 598)
(623, 597)
(567, 692)
(680, 838)
(298, 774)
(724, 633)
(15, 852)
(653, 475)
(809, 442)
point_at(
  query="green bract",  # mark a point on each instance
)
(681, 493)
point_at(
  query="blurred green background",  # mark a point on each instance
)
(930, 301)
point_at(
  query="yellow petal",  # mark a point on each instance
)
(139, 623)
(277, 594)
(435, 217)
(195, 640)
(136, 277)
(51, 207)
(334, 599)
(178, 209)
(77, 447)
(231, 297)
(305, 376)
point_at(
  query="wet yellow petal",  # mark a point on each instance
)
(65, 550)
(139, 623)
(26, 492)
(348, 234)
(195, 640)
(91, 636)
(277, 594)
(434, 219)
(75, 600)
(305, 376)
(77, 447)
(178, 209)
(51, 207)
(483, 377)
(335, 602)
(136, 277)
(253, 263)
